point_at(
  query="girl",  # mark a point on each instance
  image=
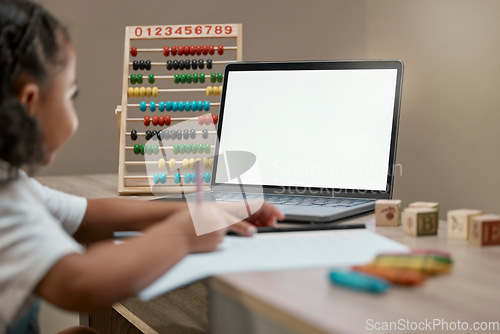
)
(41, 229)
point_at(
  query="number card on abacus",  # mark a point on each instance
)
(172, 83)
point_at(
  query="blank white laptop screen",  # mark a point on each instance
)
(312, 128)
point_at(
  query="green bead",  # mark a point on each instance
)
(202, 77)
(194, 148)
(182, 149)
(201, 148)
(195, 78)
(183, 78)
(189, 78)
(188, 148)
(151, 78)
(142, 149)
(139, 78)
(176, 149)
(149, 149)
(213, 77)
(156, 149)
(137, 149)
(219, 77)
(207, 148)
(133, 79)
(177, 78)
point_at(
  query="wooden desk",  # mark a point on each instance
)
(303, 301)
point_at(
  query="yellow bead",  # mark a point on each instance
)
(161, 163)
(198, 160)
(191, 162)
(220, 90)
(216, 90)
(209, 90)
(143, 91)
(130, 91)
(137, 92)
(185, 163)
(210, 161)
(155, 91)
(149, 92)
(205, 162)
(171, 163)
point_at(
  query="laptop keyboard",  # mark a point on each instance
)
(289, 200)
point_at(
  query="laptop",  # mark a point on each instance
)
(322, 133)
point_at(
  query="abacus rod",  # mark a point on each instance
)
(138, 105)
(173, 119)
(213, 62)
(144, 177)
(161, 50)
(172, 77)
(131, 148)
(143, 133)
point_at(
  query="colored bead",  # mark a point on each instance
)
(142, 106)
(188, 148)
(161, 163)
(155, 92)
(179, 134)
(207, 177)
(204, 133)
(156, 178)
(166, 51)
(142, 64)
(168, 105)
(187, 64)
(137, 92)
(192, 134)
(202, 77)
(149, 149)
(187, 177)
(201, 148)
(200, 105)
(148, 134)
(173, 50)
(194, 149)
(194, 64)
(209, 64)
(137, 148)
(206, 105)
(194, 106)
(135, 65)
(193, 177)
(168, 120)
(133, 51)
(210, 162)
(130, 92)
(220, 90)
(169, 65)
(159, 134)
(154, 135)
(220, 49)
(161, 121)
(195, 78)
(152, 106)
(201, 64)
(189, 78)
(201, 120)
(171, 163)
(133, 79)
(163, 178)
(181, 65)
(180, 50)
(166, 134)
(149, 92)
(198, 50)
(133, 135)
(198, 161)
(156, 149)
(219, 77)
(192, 50)
(182, 149)
(146, 120)
(204, 49)
(142, 91)
(148, 65)
(208, 120)
(183, 78)
(151, 78)
(143, 148)
(186, 134)
(161, 106)
(175, 63)
(209, 90)
(187, 106)
(177, 78)
(155, 120)
(139, 78)
(205, 162)
(215, 118)
(211, 50)
(213, 77)
(192, 162)
(207, 148)
(187, 50)
(185, 163)
(177, 178)
(180, 105)
(176, 149)
(175, 106)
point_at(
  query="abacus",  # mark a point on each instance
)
(172, 82)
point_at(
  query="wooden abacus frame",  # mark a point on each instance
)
(168, 32)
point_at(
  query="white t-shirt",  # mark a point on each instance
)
(36, 224)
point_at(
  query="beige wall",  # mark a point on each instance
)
(450, 118)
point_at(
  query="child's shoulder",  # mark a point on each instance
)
(21, 194)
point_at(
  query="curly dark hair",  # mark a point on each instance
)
(30, 42)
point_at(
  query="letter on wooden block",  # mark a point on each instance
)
(485, 230)
(420, 221)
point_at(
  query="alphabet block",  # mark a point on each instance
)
(388, 212)
(420, 221)
(459, 221)
(429, 205)
(485, 230)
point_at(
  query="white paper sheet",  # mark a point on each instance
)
(276, 251)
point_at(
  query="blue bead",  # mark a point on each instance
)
(207, 177)
(187, 178)
(152, 106)
(187, 105)
(156, 178)
(180, 105)
(206, 105)
(161, 106)
(175, 106)
(163, 177)
(177, 178)
(194, 105)
(142, 105)
(193, 177)
(168, 105)
(200, 105)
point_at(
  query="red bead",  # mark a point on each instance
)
(215, 118)
(220, 49)
(201, 120)
(180, 50)
(133, 51)
(155, 120)
(173, 49)
(205, 50)
(198, 50)
(167, 120)
(186, 50)
(211, 50)
(146, 120)
(166, 51)
(161, 121)
(192, 50)
(208, 119)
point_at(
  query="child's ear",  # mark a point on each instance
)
(29, 96)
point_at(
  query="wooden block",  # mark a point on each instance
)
(484, 230)
(388, 212)
(420, 221)
(459, 221)
(428, 205)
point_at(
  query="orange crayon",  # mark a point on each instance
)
(398, 276)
